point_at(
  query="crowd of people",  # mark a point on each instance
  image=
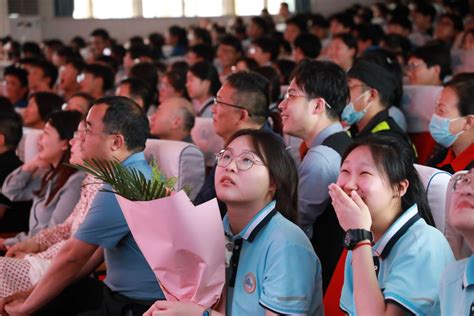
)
(350, 192)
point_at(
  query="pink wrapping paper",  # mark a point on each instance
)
(183, 244)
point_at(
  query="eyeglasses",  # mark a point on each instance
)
(244, 161)
(462, 180)
(87, 131)
(289, 96)
(413, 66)
(215, 101)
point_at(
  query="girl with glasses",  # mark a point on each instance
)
(273, 269)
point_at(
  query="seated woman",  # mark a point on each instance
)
(456, 291)
(342, 50)
(53, 186)
(452, 125)
(19, 272)
(278, 271)
(396, 258)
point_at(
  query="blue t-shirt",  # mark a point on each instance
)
(276, 268)
(456, 293)
(409, 258)
(127, 270)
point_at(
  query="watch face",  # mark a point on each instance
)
(347, 239)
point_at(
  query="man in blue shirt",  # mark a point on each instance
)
(116, 128)
(310, 111)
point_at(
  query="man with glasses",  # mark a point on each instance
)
(429, 64)
(310, 111)
(116, 128)
(242, 102)
(457, 286)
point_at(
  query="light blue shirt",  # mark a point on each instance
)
(456, 293)
(319, 168)
(276, 268)
(127, 270)
(410, 258)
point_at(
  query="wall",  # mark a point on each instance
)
(48, 26)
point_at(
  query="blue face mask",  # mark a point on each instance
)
(350, 115)
(439, 129)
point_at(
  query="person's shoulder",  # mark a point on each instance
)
(454, 272)
(284, 232)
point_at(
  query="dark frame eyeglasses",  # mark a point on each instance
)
(215, 102)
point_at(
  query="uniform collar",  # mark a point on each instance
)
(396, 231)
(468, 278)
(134, 158)
(255, 225)
(326, 132)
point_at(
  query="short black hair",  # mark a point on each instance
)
(309, 44)
(463, 85)
(77, 63)
(47, 103)
(204, 51)
(273, 78)
(268, 45)
(180, 33)
(319, 20)
(230, 40)
(299, 21)
(324, 79)
(286, 68)
(32, 48)
(124, 116)
(455, 19)
(202, 34)
(148, 73)
(11, 127)
(402, 21)
(426, 9)
(138, 89)
(101, 33)
(435, 53)
(348, 39)
(103, 72)
(261, 23)
(371, 32)
(206, 71)
(252, 92)
(343, 18)
(49, 70)
(20, 73)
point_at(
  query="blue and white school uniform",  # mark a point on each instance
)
(274, 267)
(457, 289)
(409, 260)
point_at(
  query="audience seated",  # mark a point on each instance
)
(429, 64)
(96, 80)
(256, 178)
(452, 126)
(42, 75)
(80, 102)
(135, 89)
(53, 186)
(228, 52)
(173, 84)
(68, 73)
(202, 84)
(16, 86)
(306, 46)
(19, 272)
(342, 50)
(310, 111)
(455, 292)
(173, 120)
(40, 106)
(395, 257)
(13, 215)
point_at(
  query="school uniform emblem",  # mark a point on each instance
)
(250, 283)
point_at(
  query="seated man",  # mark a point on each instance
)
(135, 89)
(429, 64)
(42, 75)
(371, 88)
(116, 128)
(457, 285)
(173, 120)
(16, 80)
(96, 79)
(310, 111)
(241, 103)
(13, 215)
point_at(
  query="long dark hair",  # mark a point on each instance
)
(65, 123)
(281, 166)
(395, 159)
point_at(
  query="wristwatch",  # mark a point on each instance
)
(355, 236)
